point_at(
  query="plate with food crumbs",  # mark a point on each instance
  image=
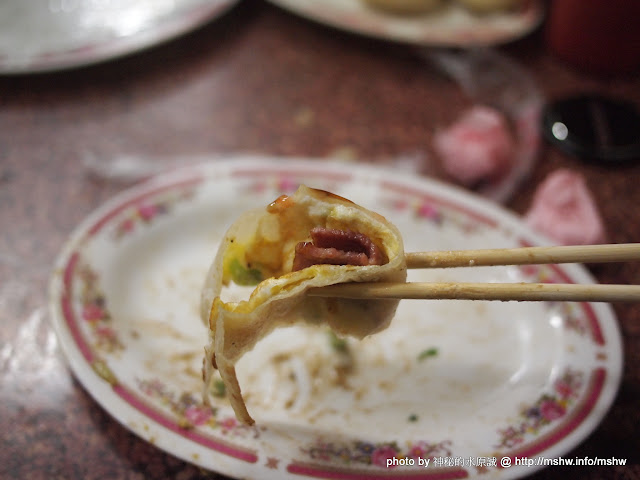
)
(449, 389)
(442, 23)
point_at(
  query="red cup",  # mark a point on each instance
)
(601, 36)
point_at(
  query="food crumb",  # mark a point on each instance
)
(304, 117)
(345, 153)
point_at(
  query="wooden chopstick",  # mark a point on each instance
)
(607, 253)
(482, 291)
(501, 291)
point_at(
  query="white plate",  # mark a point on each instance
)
(459, 382)
(46, 35)
(451, 26)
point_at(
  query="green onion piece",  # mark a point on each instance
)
(219, 389)
(338, 344)
(429, 352)
(242, 275)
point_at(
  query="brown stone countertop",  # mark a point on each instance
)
(261, 80)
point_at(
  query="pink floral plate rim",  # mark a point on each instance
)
(437, 30)
(551, 424)
(87, 52)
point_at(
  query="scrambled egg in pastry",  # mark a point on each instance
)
(309, 239)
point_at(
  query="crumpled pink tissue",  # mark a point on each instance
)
(564, 210)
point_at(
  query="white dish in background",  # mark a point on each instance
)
(48, 35)
(449, 379)
(451, 26)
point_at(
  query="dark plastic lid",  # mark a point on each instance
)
(594, 127)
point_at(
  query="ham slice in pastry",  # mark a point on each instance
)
(309, 239)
